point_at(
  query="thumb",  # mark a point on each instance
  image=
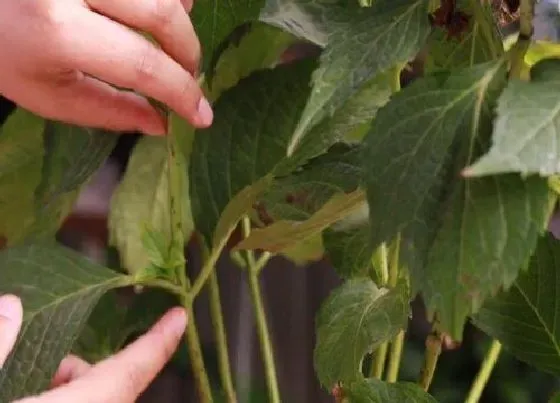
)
(11, 317)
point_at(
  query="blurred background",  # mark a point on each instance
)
(292, 297)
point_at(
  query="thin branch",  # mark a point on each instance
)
(433, 350)
(484, 373)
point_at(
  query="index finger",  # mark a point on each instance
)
(124, 376)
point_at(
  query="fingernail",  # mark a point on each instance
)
(178, 321)
(10, 307)
(205, 114)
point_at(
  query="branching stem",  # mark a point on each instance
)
(518, 51)
(254, 268)
(433, 350)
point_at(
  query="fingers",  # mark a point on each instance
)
(115, 54)
(123, 377)
(166, 20)
(81, 100)
(11, 317)
(70, 368)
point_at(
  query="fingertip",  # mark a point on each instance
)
(11, 308)
(175, 320)
(205, 113)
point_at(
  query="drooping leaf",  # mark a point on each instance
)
(141, 201)
(524, 318)
(461, 239)
(214, 20)
(284, 234)
(525, 137)
(44, 164)
(302, 193)
(355, 319)
(376, 391)
(373, 40)
(248, 140)
(58, 289)
(115, 319)
(479, 42)
(260, 47)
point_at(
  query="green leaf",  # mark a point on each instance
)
(461, 239)
(376, 391)
(284, 234)
(373, 41)
(58, 289)
(45, 165)
(260, 47)
(524, 318)
(479, 43)
(525, 137)
(349, 251)
(247, 142)
(116, 319)
(141, 200)
(21, 161)
(301, 194)
(355, 319)
(214, 20)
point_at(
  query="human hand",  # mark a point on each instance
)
(118, 379)
(59, 57)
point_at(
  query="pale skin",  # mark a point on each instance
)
(118, 379)
(84, 62)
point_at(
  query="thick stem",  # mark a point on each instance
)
(177, 252)
(379, 359)
(395, 358)
(484, 373)
(398, 342)
(254, 268)
(380, 355)
(433, 350)
(518, 51)
(221, 339)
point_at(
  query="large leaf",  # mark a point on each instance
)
(21, 161)
(373, 41)
(526, 136)
(355, 319)
(141, 202)
(461, 240)
(115, 320)
(248, 140)
(214, 20)
(376, 391)
(524, 318)
(260, 47)
(44, 164)
(480, 41)
(284, 234)
(59, 289)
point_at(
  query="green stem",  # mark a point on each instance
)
(484, 373)
(177, 253)
(264, 338)
(254, 268)
(208, 268)
(518, 51)
(395, 358)
(379, 359)
(221, 339)
(380, 355)
(433, 350)
(164, 285)
(398, 342)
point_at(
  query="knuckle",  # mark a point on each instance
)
(189, 94)
(133, 379)
(163, 12)
(145, 68)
